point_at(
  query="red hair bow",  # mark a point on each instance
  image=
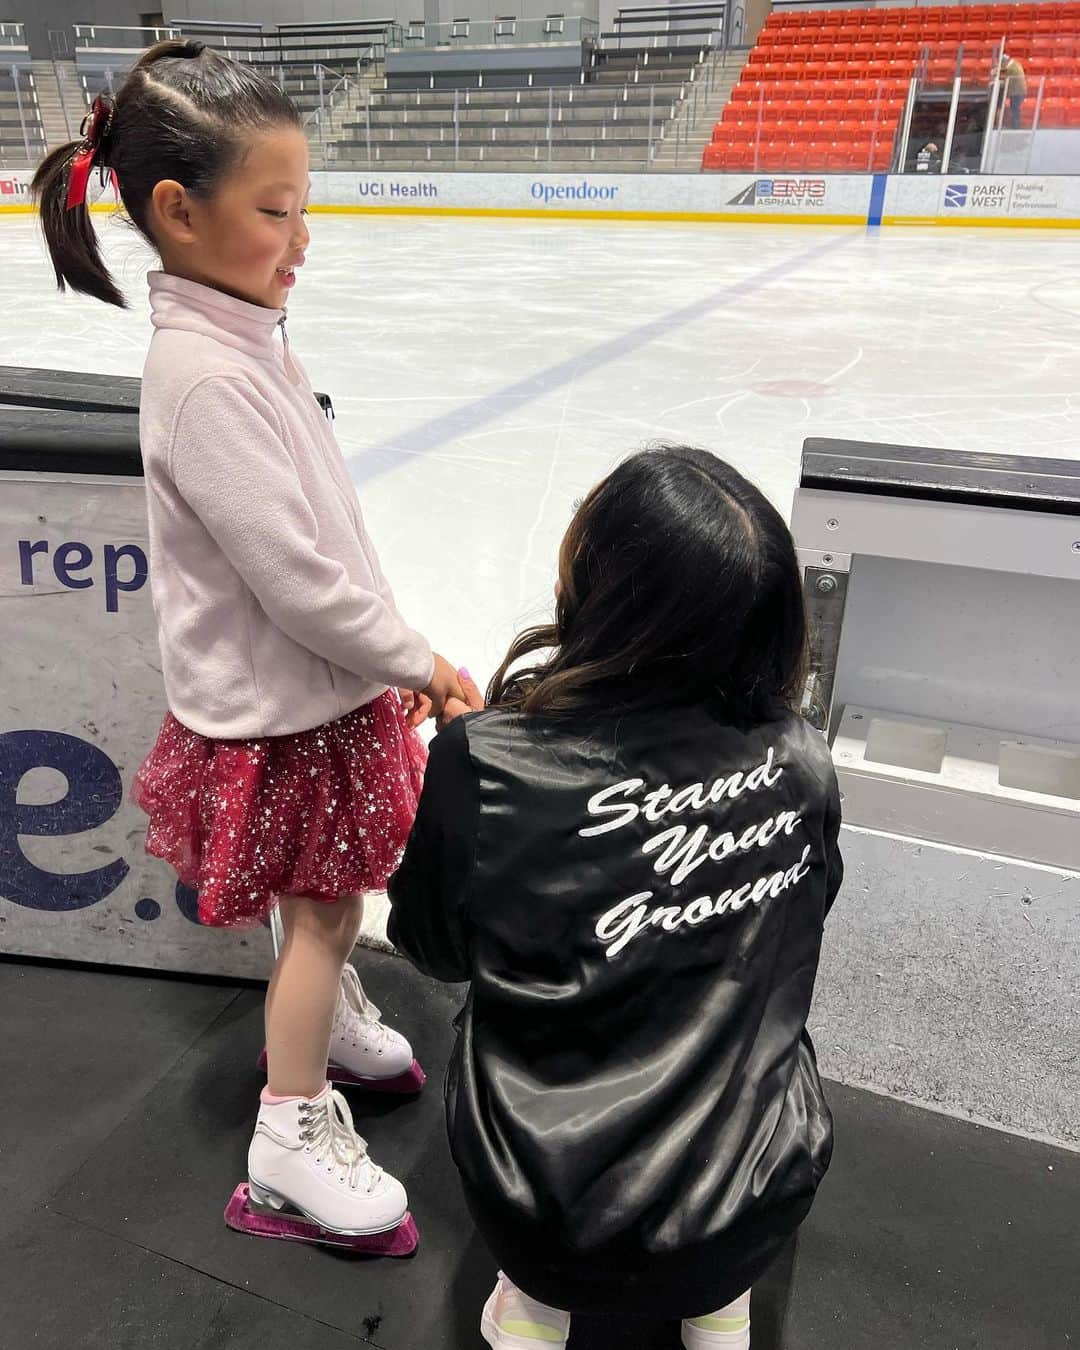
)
(94, 129)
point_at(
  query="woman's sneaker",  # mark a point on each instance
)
(513, 1321)
(726, 1329)
(306, 1159)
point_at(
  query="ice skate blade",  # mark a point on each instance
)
(243, 1216)
(406, 1084)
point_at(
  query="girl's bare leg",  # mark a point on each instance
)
(303, 991)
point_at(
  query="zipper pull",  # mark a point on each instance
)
(290, 365)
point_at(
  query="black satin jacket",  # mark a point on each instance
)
(638, 902)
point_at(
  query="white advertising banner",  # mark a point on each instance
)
(15, 187)
(81, 700)
(973, 199)
(829, 198)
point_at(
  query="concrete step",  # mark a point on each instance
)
(685, 143)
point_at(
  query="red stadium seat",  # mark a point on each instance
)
(774, 156)
(1052, 113)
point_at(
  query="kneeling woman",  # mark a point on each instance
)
(631, 855)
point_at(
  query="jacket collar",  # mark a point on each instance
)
(176, 302)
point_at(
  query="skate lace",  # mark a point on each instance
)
(327, 1125)
(362, 1017)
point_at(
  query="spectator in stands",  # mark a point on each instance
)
(1014, 88)
(630, 854)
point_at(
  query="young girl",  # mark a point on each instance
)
(286, 771)
(631, 855)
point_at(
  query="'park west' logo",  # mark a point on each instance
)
(782, 192)
(993, 198)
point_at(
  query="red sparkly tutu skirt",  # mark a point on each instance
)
(323, 813)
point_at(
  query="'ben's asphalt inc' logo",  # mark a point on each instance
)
(782, 192)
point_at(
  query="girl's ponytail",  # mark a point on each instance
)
(69, 232)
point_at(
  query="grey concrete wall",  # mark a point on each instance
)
(418, 61)
(953, 980)
(39, 16)
(324, 11)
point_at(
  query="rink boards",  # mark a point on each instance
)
(824, 199)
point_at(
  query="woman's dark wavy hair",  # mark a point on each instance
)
(184, 112)
(678, 582)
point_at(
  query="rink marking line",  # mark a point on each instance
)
(674, 217)
(540, 213)
(985, 222)
(499, 403)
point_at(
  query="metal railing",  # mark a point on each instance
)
(22, 139)
(12, 36)
(697, 103)
(117, 37)
(332, 90)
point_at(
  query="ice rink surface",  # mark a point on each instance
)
(486, 372)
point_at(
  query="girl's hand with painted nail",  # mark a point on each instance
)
(474, 701)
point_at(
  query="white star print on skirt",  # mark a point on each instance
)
(243, 822)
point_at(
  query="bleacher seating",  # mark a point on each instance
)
(22, 140)
(825, 89)
(617, 112)
(591, 122)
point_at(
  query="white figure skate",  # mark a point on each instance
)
(364, 1052)
(310, 1179)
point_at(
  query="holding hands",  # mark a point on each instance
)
(450, 694)
(456, 707)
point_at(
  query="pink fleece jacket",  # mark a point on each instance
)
(273, 613)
